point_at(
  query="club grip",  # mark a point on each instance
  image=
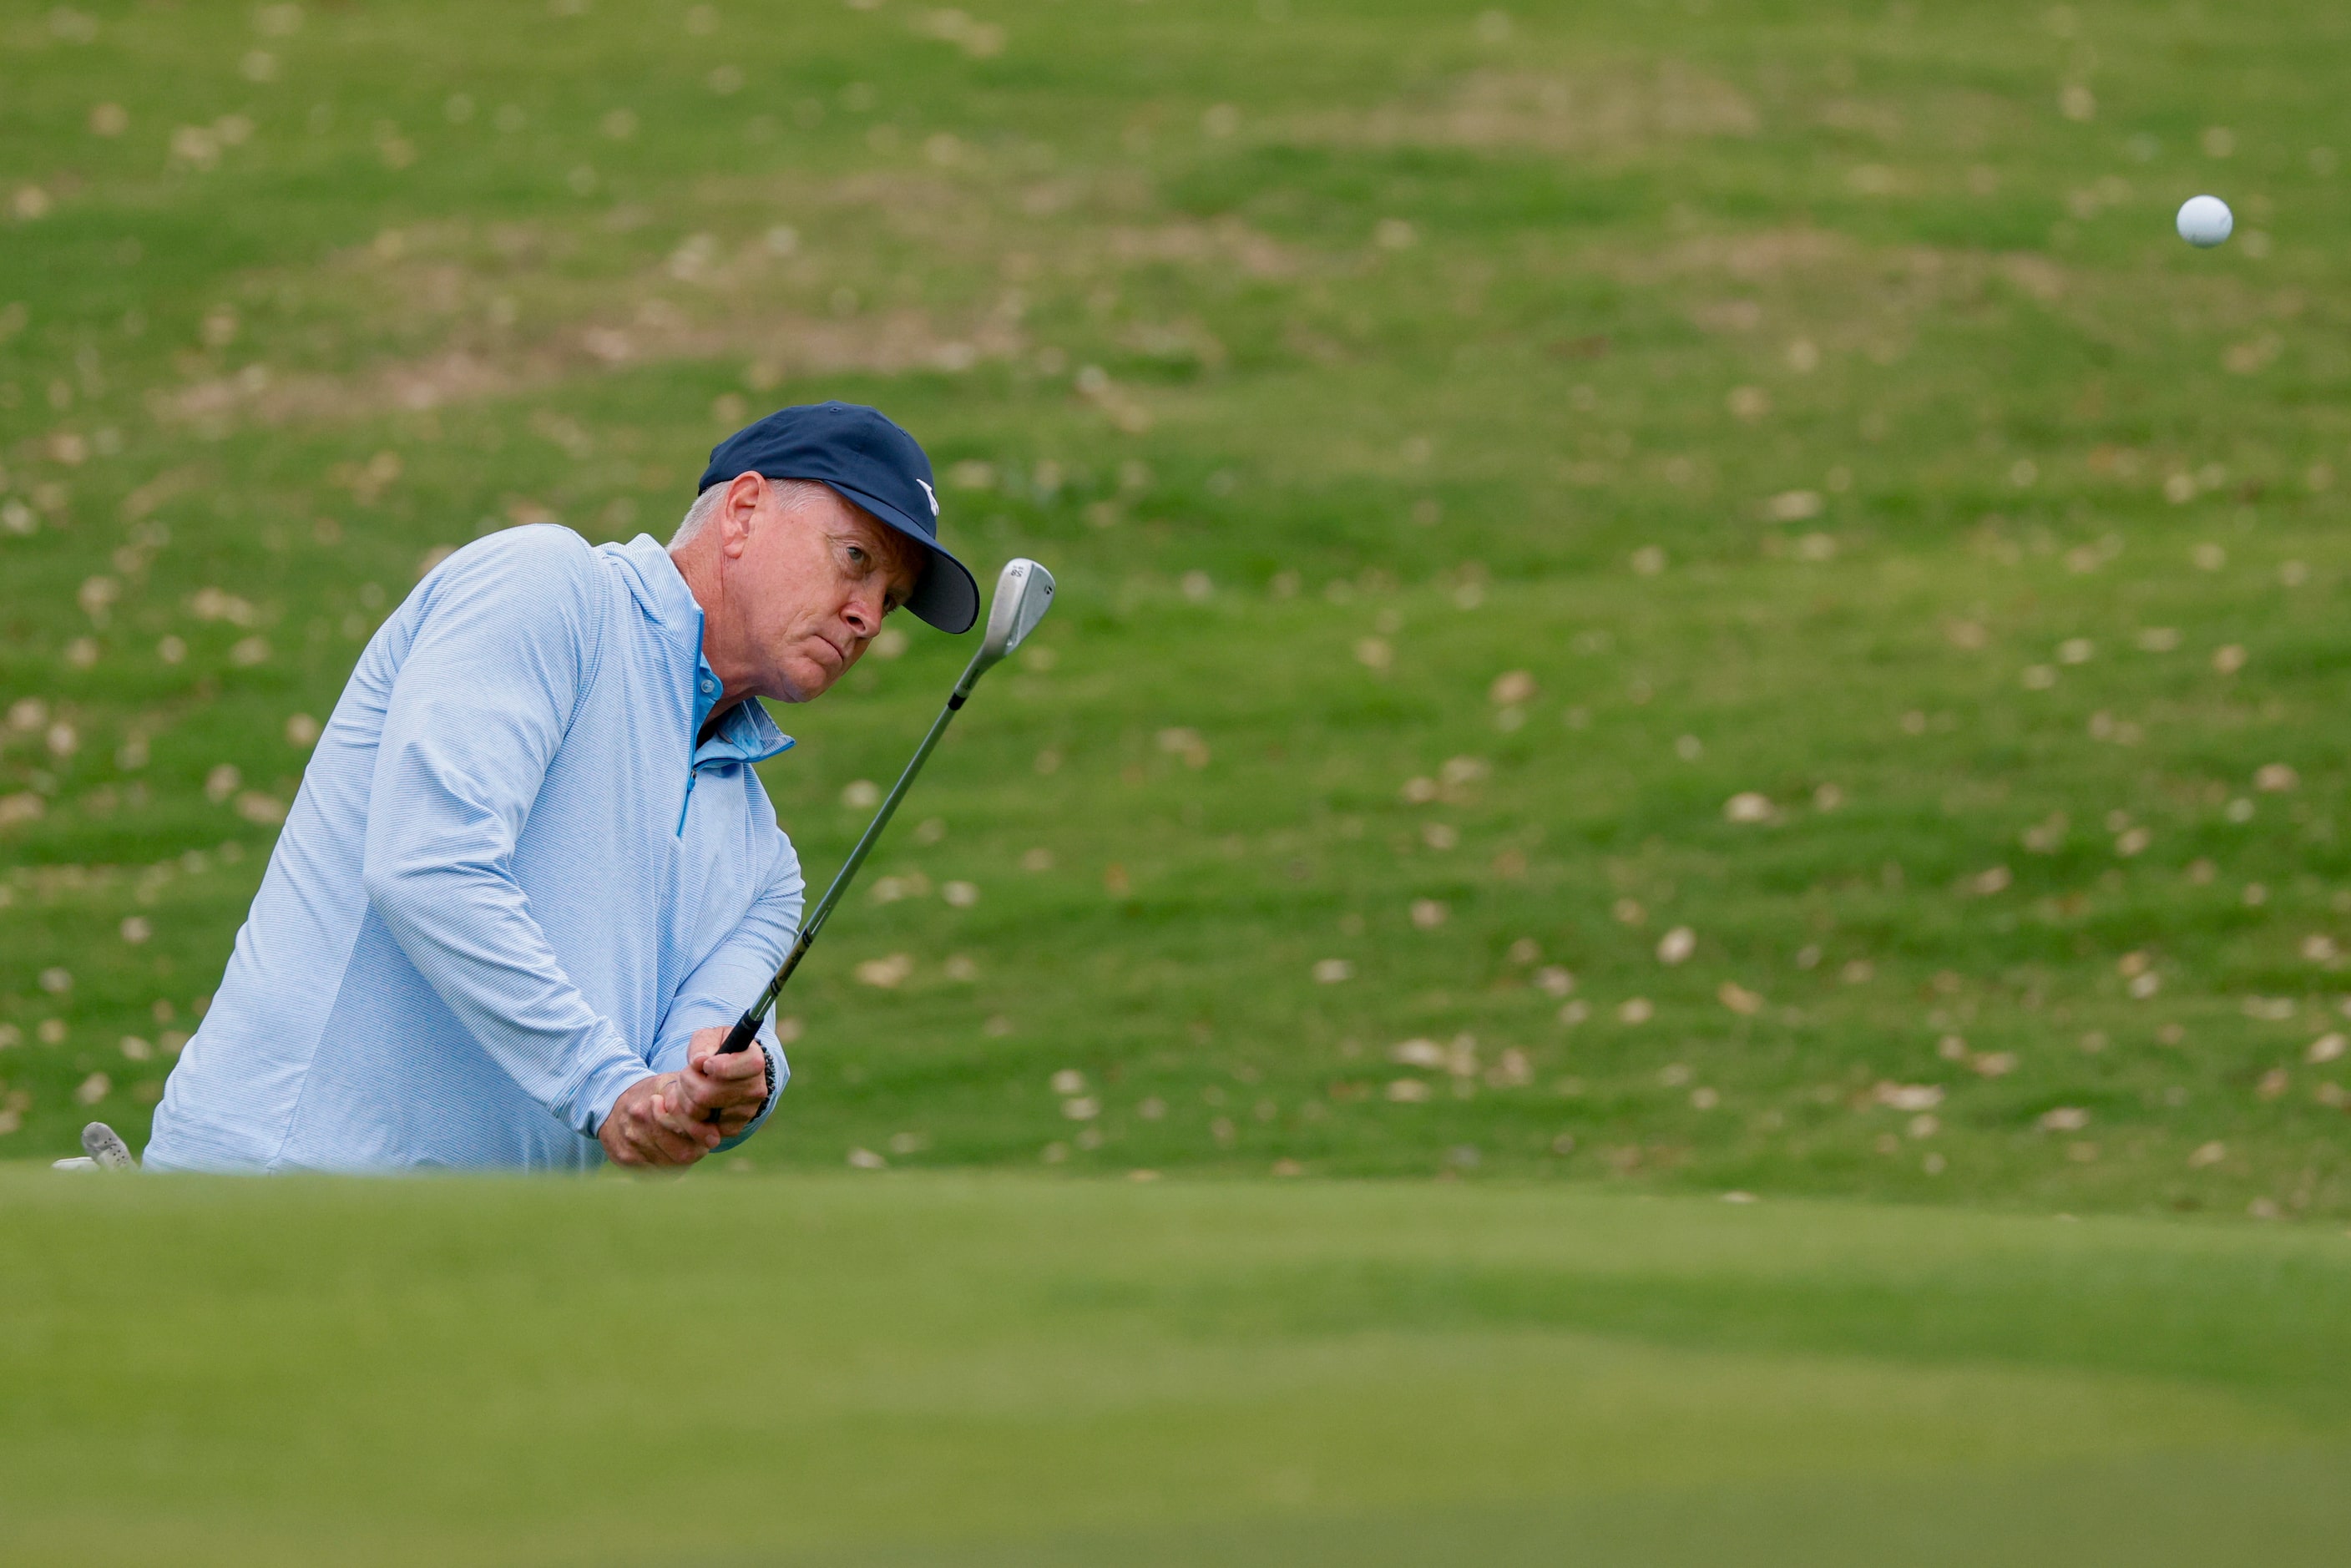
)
(745, 1030)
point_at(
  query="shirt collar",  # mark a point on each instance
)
(747, 734)
(744, 735)
(653, 579)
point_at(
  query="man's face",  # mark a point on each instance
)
(808, 583)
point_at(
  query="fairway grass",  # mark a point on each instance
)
(922, 1369)
(1679, 601)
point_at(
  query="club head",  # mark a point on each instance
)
(1024, 591)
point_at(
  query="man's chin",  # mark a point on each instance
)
(806, 681)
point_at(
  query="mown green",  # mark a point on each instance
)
(921, 1368)
(1808, 400)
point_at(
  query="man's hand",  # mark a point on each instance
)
(725, 1090)
(651, 1126)
(670, 1120)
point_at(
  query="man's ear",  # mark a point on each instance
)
(739, 511)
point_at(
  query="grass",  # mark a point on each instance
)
(929, 1368)
(1478, 451)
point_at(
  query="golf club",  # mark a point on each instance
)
(1024, 591)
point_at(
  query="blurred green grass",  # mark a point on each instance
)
(1635, 410)
(921, 1368)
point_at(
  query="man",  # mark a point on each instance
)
(532, 877)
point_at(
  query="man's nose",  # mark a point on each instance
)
(863, 614)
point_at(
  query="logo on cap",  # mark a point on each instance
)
(931, 493)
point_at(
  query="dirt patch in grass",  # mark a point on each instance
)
(775, 346)
(1551, 112)
(460, 314)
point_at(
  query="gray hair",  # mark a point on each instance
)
(791, 494)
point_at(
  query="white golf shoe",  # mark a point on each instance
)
(102, 1150)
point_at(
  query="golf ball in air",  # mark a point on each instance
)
(2205, 221)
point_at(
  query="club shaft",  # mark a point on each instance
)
(747, 1027)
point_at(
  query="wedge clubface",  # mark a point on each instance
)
(1023, 593)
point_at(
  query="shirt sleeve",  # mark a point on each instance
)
(484, 695)
(732, 976)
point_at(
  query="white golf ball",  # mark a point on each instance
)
(2205, 221)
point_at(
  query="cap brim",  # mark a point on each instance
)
(946, 596)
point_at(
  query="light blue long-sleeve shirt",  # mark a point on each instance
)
(511, 886)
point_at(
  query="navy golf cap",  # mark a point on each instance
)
(860, 453)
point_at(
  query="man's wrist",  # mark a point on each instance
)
(590, 1103)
